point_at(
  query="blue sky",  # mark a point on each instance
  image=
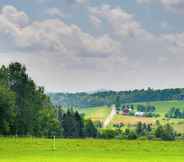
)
(82, 45)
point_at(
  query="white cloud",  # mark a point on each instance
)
(118, 21)
(95, 21)
(174, 5)
(12, 21)
(176, 40)
(55, 12)
(55, 37)
(14, 16)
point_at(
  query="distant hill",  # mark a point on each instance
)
(110, 97)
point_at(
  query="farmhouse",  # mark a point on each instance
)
(126, 111)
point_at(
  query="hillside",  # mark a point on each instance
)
(84, 100)
(96, 113)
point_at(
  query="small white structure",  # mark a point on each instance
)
(141, 114)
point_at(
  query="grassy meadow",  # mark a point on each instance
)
(89, 150)
(96, 113)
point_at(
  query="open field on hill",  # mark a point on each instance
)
(132, 120)
(96, 113)
(40, 150)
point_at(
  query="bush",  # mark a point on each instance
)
(150, 136)
(165, 132)
(129, 134)
(132, 135)
(107, 133)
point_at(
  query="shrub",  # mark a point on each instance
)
(132, 135)
(107, 133)
(165, 132)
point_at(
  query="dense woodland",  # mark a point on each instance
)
(110, 97)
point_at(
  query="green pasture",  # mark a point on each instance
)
(96, 113)
(89, 150)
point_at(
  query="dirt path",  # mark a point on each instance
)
(110, 117)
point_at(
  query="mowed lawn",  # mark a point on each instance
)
(40, 150)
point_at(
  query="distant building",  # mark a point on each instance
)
(126, 111)
(141, 114)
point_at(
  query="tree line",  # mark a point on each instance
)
(111, 97)
(142, 131)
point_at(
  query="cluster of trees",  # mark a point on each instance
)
(165, 132)
(141, 130)
(175, 113)
(112, 97)
(74, 126)
(24, 107)
(148, 110)
(26, 110)
(121, 108)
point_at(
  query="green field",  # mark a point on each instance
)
(89, 150)
(96, 113)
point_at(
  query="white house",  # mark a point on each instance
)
(139, 114)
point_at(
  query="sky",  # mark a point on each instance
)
(87, 45)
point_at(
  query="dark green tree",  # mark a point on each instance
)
(89, 129)
(32, 106)
(7, 110)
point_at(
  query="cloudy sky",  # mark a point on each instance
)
(84, 45)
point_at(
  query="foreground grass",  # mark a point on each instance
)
(40, 150)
